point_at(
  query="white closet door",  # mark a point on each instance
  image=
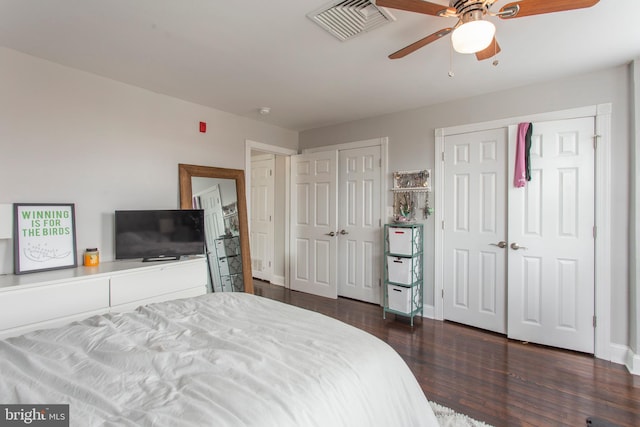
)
(475, 226)
(359, 238)
(314, 223)
(551, 221)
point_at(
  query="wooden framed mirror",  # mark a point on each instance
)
(227, 223)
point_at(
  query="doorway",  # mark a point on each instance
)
(276, 205)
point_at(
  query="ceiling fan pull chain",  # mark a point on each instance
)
(495, 52)
(451, 73)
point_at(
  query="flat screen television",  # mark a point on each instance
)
(158, 235)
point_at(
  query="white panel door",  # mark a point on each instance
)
(262, 230)
(314, 223)
(211, 202)
(475, 226)
(359, 242)
(551, 236)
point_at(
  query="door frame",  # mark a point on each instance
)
(278, 151)
(602, 115)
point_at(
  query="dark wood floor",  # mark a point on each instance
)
(485, 375)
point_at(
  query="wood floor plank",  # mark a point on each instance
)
(485, 375)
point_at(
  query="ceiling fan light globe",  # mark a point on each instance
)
(473, 36)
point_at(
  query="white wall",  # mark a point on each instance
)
(412, 144)
(71, 136)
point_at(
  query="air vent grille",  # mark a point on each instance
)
(347, 19)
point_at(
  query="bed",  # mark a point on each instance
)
(223, 359)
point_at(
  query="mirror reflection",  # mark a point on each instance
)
(218, 198)
(220, 193)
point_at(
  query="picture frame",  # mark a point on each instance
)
(412, 180)
(44, 237)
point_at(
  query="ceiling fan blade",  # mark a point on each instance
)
(492, 50)
(420, 43)
(537, 7)
(418, 6)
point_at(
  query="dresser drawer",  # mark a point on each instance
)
(149, 284)
(28, 305)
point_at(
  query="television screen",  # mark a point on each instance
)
(155, 235)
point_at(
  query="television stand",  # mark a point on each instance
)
(53, 298)
(160, 258)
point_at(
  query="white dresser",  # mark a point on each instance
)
(54, 298)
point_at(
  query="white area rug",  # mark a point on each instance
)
(447, 417)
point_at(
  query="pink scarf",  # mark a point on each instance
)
(520, 173)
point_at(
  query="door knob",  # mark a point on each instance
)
(332, 234)
(343, 232)
(501, 245)
(516, 246)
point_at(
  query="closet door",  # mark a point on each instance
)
(336, 221)
(551, 239)
(359, 223)
(521, 261)
(475, 229)
(314, 225)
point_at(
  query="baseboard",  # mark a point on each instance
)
(429, 311)
(623, 355)
(619, 353)
(633, 362)
(277, 280)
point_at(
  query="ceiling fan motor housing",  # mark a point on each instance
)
(469, 7)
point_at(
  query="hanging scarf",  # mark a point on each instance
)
(520, 172)
(527, 153)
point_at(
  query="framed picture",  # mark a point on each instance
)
(44, 236)
(412, 180)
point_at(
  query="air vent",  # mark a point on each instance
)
(346, 19)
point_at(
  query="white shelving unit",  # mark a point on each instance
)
(403, 265)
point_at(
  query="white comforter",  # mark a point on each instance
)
(229, 359)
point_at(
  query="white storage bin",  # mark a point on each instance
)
(403, 240)
(223, 267)
(399, 298)
(403, 270)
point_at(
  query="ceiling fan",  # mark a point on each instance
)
(472, 33)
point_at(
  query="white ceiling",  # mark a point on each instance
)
(240, 55)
